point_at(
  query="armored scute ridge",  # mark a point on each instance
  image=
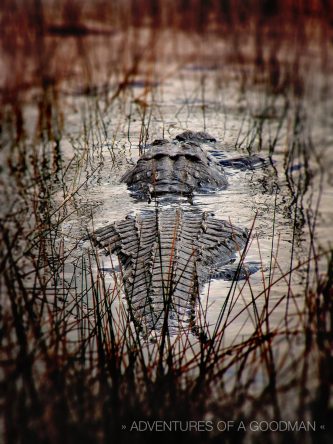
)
(166, 256)
(175, 167)
(168, 253)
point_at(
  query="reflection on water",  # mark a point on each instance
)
(82, 94)
(279, 199)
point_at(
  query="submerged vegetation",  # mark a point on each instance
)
(83, 86)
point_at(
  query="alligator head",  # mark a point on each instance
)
(179, 167)
(195, 136)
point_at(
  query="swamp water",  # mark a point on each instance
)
(186, 82)
(279, 202)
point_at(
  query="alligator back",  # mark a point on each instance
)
(175, 168)
(166, 256)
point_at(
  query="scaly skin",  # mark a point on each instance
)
(175, 168)
(166, 256)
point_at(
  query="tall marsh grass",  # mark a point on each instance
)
(73, 368)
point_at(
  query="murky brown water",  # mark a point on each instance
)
(189, 81)
(202, 96)
(83, 87)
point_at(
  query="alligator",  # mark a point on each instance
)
(167, 253)
(183, 166)
(175, 168)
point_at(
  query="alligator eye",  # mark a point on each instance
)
(192, 157)
(158, 156)
(157, 142)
